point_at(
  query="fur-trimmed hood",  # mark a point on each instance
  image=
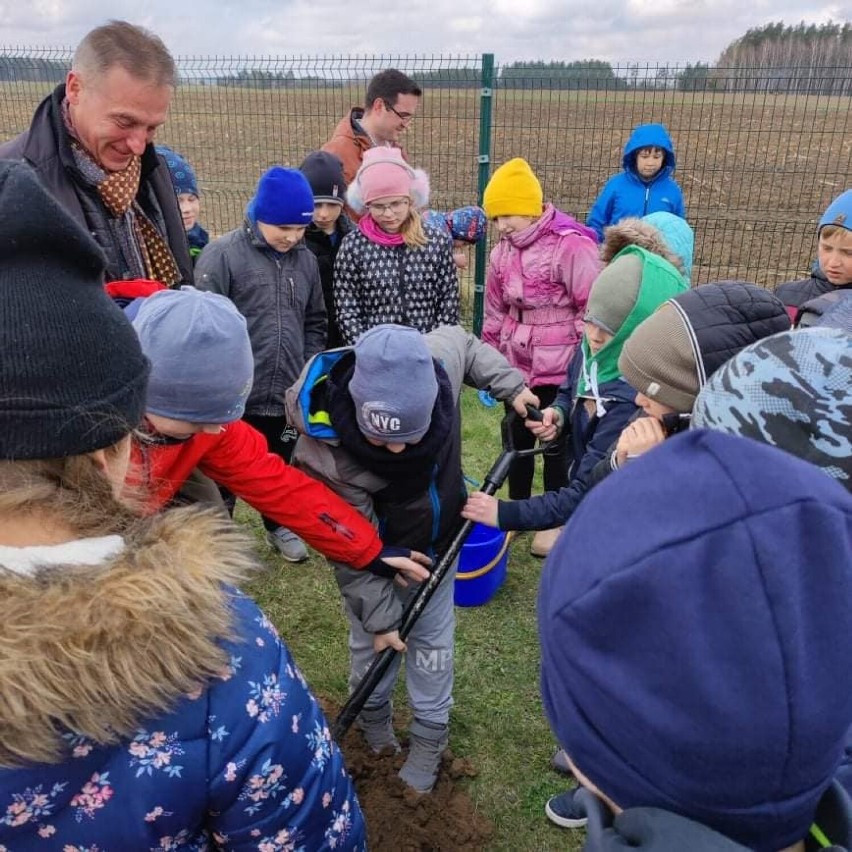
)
(634, 231)
(96, 649)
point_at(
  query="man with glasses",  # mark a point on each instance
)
(392, 103)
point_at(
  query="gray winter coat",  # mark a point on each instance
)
(280, 296)
(46, 148)
(465, 359)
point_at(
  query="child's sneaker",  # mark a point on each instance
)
(428, 741)
(566, 810)
(377, 727)
(288, 544)
(543, 541)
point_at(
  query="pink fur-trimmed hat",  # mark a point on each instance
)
(385, 174)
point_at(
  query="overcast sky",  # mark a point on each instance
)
(614, 30)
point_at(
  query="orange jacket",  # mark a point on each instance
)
(349, 146)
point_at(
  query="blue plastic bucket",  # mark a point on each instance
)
(482, 566)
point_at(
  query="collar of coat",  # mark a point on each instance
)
(96, 649)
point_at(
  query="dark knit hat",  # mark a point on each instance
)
(393, 385)
(672, 353)
(201, 361)
(283, 197)
(180, 171)
(72, 376)
(686, 666)
(324, 172)
(791, 390)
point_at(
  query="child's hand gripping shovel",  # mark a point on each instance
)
(494, 479)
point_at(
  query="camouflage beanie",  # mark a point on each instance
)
(790, 390)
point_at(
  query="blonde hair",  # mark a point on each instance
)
(73, 490)
(412, 231)
(835, 231)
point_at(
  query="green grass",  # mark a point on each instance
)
(497, 721)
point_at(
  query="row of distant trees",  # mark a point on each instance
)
(802, 59)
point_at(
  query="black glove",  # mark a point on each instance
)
(382, 569)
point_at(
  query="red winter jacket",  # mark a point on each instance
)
(239, 458)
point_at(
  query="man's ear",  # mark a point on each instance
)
(73, 87)
(378, 105)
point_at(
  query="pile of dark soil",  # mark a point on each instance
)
(400, 820)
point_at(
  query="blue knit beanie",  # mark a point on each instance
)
(180, 171)
(679, 237)
(283, 197)
(790, 390)
(393, 385)
(696, 659)
(839, 212)
(201, 361)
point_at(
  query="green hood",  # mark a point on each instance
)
(660, 282)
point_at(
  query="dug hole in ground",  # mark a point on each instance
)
(401, 820)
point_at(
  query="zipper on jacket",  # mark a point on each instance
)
(647, 196)
(436, 504)
(403, 300)
(269, 399)
(292, 292)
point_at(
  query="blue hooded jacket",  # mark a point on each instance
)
(627, 194)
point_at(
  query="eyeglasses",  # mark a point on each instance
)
(394, 206)
(402, 116)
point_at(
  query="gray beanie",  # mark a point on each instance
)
(393, 385)
(201, 361)
(660, 361)
(614, 292)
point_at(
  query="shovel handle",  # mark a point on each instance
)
(534, 413)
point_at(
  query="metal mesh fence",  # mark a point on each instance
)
(759, 155)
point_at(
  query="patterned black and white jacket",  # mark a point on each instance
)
(376, 284)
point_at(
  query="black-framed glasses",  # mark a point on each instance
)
(402, 116)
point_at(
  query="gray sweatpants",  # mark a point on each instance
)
(429, 659)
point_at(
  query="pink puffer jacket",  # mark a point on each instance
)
(536, 290)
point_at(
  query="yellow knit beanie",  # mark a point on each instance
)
(513, 191)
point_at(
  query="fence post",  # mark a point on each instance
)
(486, 99)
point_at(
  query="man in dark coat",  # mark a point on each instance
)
(91, 145)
